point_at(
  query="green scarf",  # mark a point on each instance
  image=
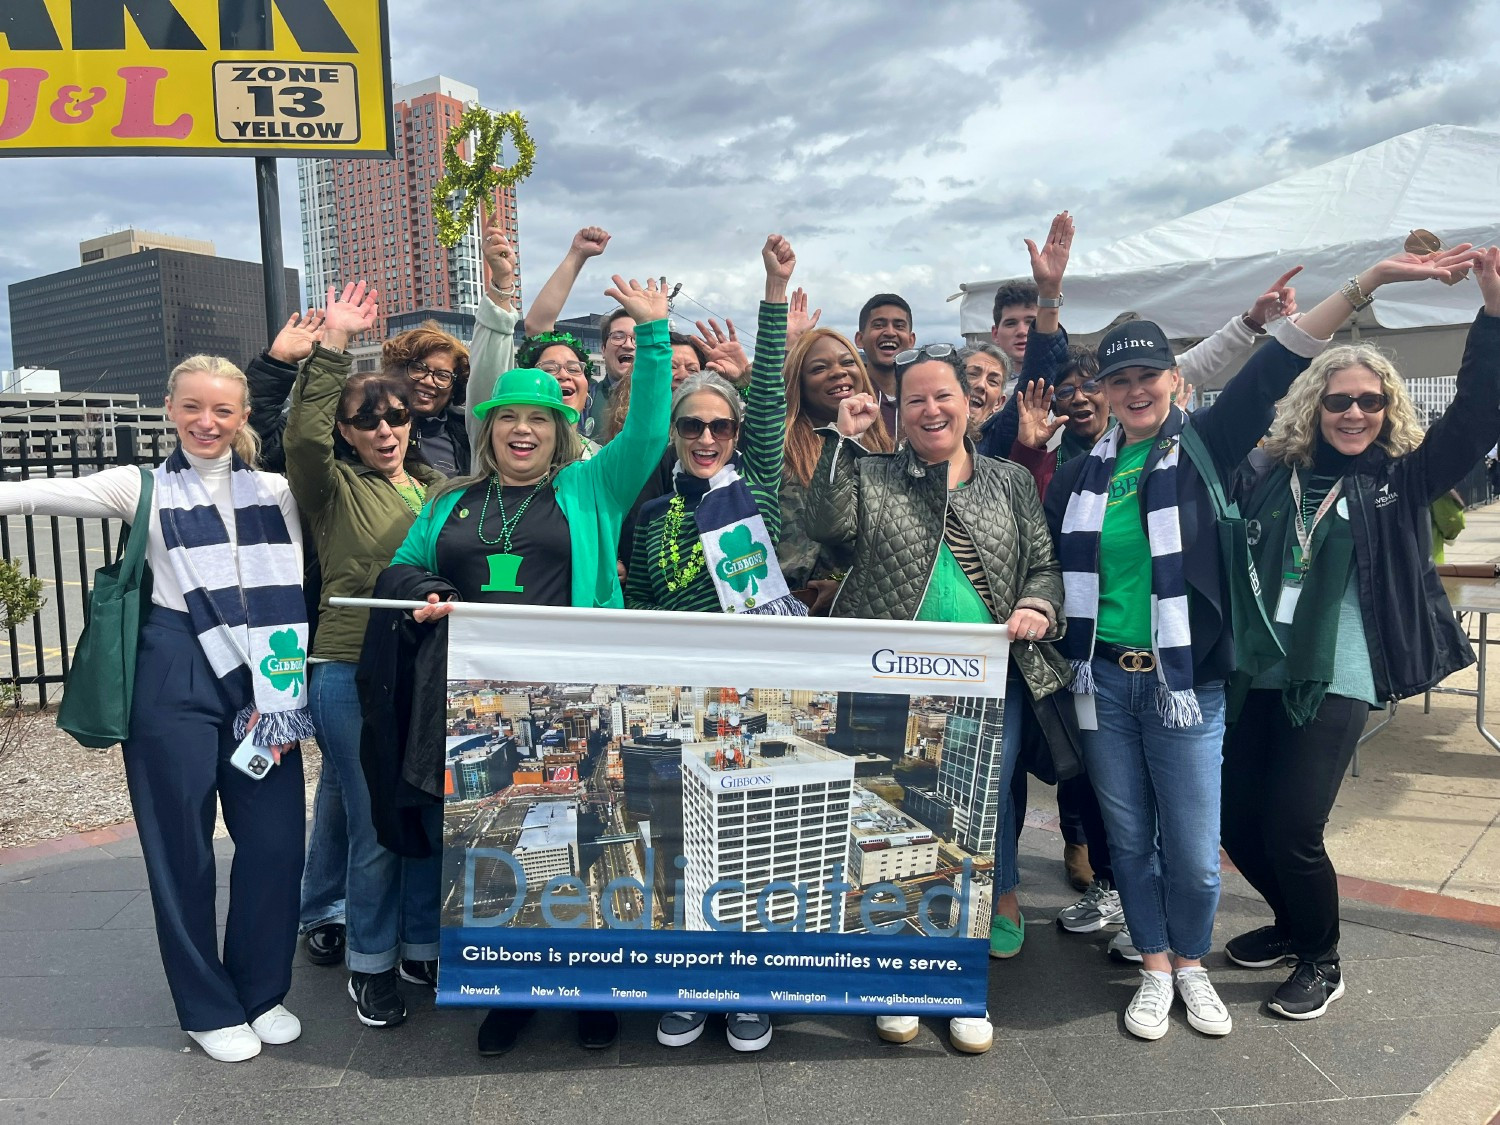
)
(1315, 622)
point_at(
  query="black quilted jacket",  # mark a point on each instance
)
(890, 508)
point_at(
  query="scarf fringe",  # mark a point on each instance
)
(788, 605)
(1083, 677)
(276, 728)
(1178, 709)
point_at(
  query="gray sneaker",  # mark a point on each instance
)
(678, 1029)
(748, 1031)
(1099, 907)
(1120, 948)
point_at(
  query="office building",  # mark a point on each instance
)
(969, 774)
(373, 219)
(886, 844)
(871, 723)
(131, 317)
(638, 755)
(36, 428)
(548, 844)
(760, 811)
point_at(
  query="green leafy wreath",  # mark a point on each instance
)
(478, 178)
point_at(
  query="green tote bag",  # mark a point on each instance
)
(95, 706)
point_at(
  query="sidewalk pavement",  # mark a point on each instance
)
(87, 1031)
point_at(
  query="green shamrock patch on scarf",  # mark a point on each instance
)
(744, 559)
(285, 666)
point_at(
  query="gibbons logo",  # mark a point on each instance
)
(887, 662)
(745, 781)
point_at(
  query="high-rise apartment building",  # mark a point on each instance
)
(373, 219)
(969, 773)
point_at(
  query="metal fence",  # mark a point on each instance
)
(63, 551)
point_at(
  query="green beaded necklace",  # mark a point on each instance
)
(669, 558)
(412, 494)
(508, 524)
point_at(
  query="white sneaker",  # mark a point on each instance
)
(1146, 1018)
(1205, 1011)
(276, 1026)
(228, 1044)
(897, 1029)
(973, 1035)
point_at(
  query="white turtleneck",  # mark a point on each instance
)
(114, 493)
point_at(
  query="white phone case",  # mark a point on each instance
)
(251, 760)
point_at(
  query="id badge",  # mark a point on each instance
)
(1088, 715)
(1286, 605)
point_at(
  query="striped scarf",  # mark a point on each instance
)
(243, 593)
(1078, 553)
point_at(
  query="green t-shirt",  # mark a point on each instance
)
(1125, 557)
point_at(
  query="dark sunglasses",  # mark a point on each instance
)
(931, 351)
(434, 375)
(1368, 403)
(1088, 387)
(395, 418)
(723, 429)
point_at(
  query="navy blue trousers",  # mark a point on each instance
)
(177, 767)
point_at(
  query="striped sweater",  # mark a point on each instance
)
(760, 466)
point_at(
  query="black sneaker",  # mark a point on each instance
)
(597, 1030)
(1306, 995)
(1264, 948)
(325, 944)
(419, 972)
(501, 1028)
(377, 998)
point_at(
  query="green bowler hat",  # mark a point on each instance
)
(527, 386)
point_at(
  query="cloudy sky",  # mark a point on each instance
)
(898, 145)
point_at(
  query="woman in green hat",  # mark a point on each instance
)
(535, 525)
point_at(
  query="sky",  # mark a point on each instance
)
(900, 147)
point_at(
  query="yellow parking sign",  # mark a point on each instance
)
(195, 77)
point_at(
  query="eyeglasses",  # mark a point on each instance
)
(395, 418)
(1088, 387)
(621, 337)
(552, 367)
(722, 429)
(1368, 403)
(434, 375)
(931, 351)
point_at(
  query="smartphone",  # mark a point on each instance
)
(251, 760)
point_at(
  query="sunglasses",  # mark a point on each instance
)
(434, 375)
(722, 429)
(395, 418)
(1088, 387)
(931, 351)
(1368, 403)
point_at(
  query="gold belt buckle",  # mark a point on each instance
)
(1138, 660)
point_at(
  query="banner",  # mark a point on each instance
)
(291, 78)
(671, 810)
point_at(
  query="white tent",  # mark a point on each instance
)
(1193, 273)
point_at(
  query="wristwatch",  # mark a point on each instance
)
(1356, 296)
(1050, 302)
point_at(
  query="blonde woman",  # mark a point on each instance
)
(1339, 503)
(225, 551)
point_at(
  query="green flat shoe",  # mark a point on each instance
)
(1006, 936)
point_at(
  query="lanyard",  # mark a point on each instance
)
(1305, 532)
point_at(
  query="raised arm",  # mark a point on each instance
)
(548, 305)
(492, 352)
(271, 375)
(1232, 343)
(764, 439)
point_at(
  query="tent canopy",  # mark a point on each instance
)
(1194, 273)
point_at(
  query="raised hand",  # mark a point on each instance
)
(798, 321)
(1487, 273)
(1050, 262)
(589, 242)
(1034, 422)
(297, 338)
(725, 355)
(1442, 266)
(349, 313)
(499, 256)
(1184, 397)
(779, 258)
(1278, 301)
(857, 413)
(644, 303)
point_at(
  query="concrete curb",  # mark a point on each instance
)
(74, 842)
(1469, 1094)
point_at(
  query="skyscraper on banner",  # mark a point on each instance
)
(372, 219)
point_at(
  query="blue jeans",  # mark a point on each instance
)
(327, 855)
(391, 907)
(1158, 790)
(1007, 871)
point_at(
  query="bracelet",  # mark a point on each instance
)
(1050, 302)
(1356, 296)
(1258, 329)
